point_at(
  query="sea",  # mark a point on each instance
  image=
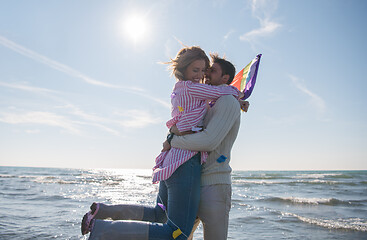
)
(49, 203)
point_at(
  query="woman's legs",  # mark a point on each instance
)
(134, 212)
(183, 192)
(118, 230)
(180, 194)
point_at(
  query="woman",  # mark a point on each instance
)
(177, 170)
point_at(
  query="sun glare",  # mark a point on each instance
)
(135, 27)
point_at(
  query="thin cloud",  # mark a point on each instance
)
(32, 131)
(42, 118)
(137, 119)
(79, 116)
(264, 7)
(26, 88)
(101, 126)
(52, 120)
(263, 11)
(267, 27)
(79, 113)
(230, 32)
(56, 65)
(171, 46)
(133, 119)
(72, 72)
(316, 100)
(283, 121)
(160, 101)
(219, 3)
(127, 119)
(91, 119)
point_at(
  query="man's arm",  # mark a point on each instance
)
(224, 114)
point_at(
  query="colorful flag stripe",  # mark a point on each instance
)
(246, 78)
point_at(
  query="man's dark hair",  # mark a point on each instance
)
(227, 67)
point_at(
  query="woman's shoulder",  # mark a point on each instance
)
(182, 83)
(182, 86)
(187, 84)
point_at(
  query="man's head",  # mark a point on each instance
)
(221, 71)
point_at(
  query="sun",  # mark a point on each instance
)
(135, 27)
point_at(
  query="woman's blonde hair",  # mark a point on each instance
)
(184, 58)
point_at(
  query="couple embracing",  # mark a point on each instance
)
(193, 169)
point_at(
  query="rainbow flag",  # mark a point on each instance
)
(246, 78)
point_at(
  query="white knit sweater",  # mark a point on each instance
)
(221, 124)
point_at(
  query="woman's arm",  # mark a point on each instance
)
(205, 91)
(225, 113)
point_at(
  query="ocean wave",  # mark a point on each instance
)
(7, 176)
(51, 180)
(294, 182)
(48, 198)
(17, 176)
(262, 177)
(322, 175)
(315, 201)
(77, 180)
(149, 177)
(261, 182)
(355, 224)
(323, 182)
(13, 195)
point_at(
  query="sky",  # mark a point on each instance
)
(82, 84)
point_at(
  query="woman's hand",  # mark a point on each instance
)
(166, 146)
(244, 105)
(175, 131)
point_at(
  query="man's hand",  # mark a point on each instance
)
(166, 146)
(244, 105)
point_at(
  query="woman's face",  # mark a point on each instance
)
(195, 71)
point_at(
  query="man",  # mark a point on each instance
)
(134, 229)
(221, 128)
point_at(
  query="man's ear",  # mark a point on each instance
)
(225, 78)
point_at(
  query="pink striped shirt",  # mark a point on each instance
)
(189, 106)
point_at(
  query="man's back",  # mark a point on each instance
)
(223, 120)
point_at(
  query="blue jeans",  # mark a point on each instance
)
(180, 194)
